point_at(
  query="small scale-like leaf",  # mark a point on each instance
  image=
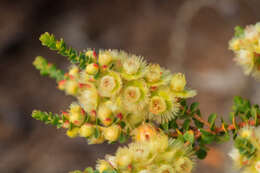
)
(211, 120)
(194, 106)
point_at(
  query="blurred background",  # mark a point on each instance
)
(189, 36)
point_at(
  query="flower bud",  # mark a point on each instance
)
(178, 82)
(73, 132)
(91, 54)
(66, 124)
(92, 68)
(61, 84)
(112, 133)
(76, 116)
(104, 58)
(105, 115)
(86, 130)
(157, 105)
(71, 87)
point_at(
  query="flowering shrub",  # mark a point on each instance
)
(119, 96)
(246, 47)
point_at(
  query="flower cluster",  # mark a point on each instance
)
(117, 84)
(246, 46)
(246, 153)
(115, 91)
(142, 156)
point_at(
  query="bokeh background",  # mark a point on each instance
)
(189, 36)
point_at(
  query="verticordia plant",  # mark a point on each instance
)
(121, 97)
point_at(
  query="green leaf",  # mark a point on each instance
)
(207, 137)
(173, 125)
(211, 120)
(201, 153)
(223, 138)
(186, 124)
(194, 106)
(122, 138)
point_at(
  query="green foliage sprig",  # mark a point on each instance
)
(47, 118)
(50, 41)
(46, 68)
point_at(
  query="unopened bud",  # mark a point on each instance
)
(178, 82)
(92, 68)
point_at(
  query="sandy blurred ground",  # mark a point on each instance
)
(185, 36)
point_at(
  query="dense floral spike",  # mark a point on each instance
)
(246, 153)
(246, 47)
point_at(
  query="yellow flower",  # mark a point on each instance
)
(123, 157)
(157, 105)
(163, 106)
(133, 67)
(110, 84)
(88, 98)
(154, 73)
(144, 133)
(135, 96)
(246, 132)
